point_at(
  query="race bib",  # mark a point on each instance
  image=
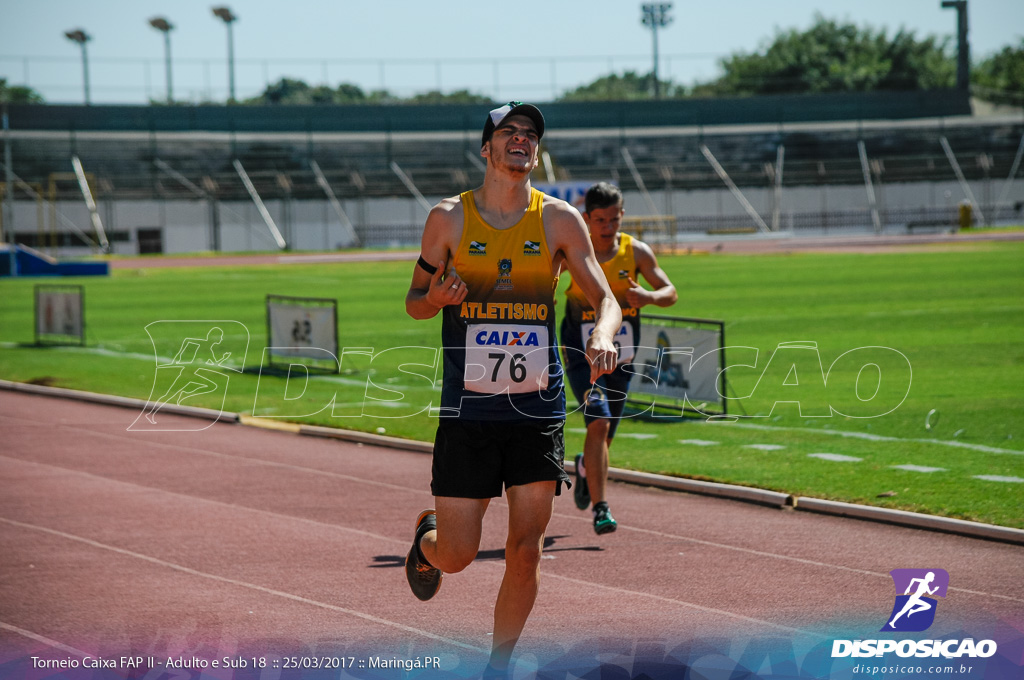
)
(623, 340)
(509, 358)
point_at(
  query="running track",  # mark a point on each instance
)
(235, 540)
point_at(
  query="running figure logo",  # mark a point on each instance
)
(914, 610)
(200, 366)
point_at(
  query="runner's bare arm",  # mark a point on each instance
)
(568, 236)
(430, 292)
(664, 293)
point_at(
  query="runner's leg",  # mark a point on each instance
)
(454, 545)
(595, 458)
(529, 510)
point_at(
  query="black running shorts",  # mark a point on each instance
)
(475, 458)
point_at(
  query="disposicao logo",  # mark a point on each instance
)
(201, 365)
(914, 609)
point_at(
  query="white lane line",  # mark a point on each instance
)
(243, 584)
(274, 515)
(863, 435)
(698, 442)
(765, 447)
(201, 499)
(788, 558)
(682, 603)
(501, 502)
(998, 478)
(752, 426)
(618, 435)
(835, 457)
(217, 454)
(162, 362)
(370, 617)
(917, 468)
(45, 640)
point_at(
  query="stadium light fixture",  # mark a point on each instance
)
(656, 16)
(81, 37)
(228, 17)
(165, 27)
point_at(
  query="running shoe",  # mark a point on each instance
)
(604, 523)
(424, 579)
(581, 492)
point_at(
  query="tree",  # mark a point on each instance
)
(382, 97)
(1001, 76)
(18, 94)
(457, 97)
(288, 91)
(293, 92)
(629, 86)
(347, 93)
(835, 57)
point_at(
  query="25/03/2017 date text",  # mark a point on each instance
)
(338, 662)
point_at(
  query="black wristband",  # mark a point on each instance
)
(427, 267)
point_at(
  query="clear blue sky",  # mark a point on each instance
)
(530, 49)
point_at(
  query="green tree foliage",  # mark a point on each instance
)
(293, 92)
(457, 97)
(290, 91)
(1001, 76)
(836, 57)
(18, 94)
(627, 87)
(830, 56)
(347, 93)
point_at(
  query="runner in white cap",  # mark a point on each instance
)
(489, 263)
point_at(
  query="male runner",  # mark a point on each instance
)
(621, 257)
(489, 261)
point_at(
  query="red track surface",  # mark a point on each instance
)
(234, 538)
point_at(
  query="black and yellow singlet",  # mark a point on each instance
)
(579, 315)
(500, 361)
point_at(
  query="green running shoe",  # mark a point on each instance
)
(604, 523)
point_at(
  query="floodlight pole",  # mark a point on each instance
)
(81, 37)
(165, 27)
(656, 16)
(963, 52)
(8, 199)
(229, 18)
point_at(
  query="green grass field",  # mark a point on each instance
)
(955, 314)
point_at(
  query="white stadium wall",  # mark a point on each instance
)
(185, 225)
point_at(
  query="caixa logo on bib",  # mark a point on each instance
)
(915, 606)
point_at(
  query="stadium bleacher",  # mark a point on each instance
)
(187, 153)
